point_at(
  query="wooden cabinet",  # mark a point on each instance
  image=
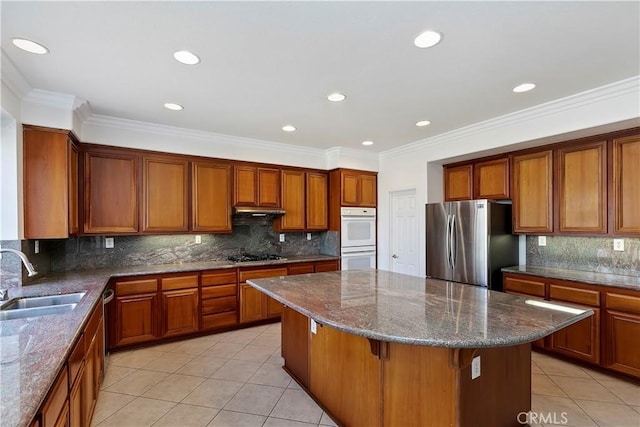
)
(219, 298)
(179, 305)
(313, 267)
(295, 344)
(532, 192)
(358, 188)
(50, 174)
(137, 308)
(625, 185)
(300, 268)
(582, 188)
(255, 305)
(317, 200)
(491, 179)
(94, 363)
(55, 409)
(527, 286)
(211, 196)
(305, 201)
(165, 194)
(323, 266)
(256, 186)
(458, 183)
(622, 320)
(111, 178)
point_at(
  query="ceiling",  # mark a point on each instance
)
(268, 64)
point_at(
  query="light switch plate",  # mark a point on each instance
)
(475, 367)
(542, 240)
(198, 238)
(108, 242)
(281, 237)
(618, 245)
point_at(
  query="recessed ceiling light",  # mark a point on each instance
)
(30, 46)
(525, 87)
(172, 106)
(288, 128)
(428, 39)
(336, 97)
(186, 57)
(367, 142)
(422, 123)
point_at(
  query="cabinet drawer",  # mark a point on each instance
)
(212, 321)
(92, 325)
(181, 282)
(570, 294)
(621, 302)
(327, 266)
(219, 305)
(75, 360)
(257, 274)
(219, 277)
(523, 286)
(219, 291)
(136, 286)
(301, 268)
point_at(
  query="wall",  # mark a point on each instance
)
(585, 253)
(600, 110)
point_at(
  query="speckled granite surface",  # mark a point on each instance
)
(399, 308)
(33, 350)
(604, 279)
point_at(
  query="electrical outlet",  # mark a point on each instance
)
(542, 240)
(618, 245)
(308, 236)
(36, 249)
(198, 238)
(108, 242)
(475, 367)
(314, 327)
(281, 237)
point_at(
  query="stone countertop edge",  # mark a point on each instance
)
(33, 350)
(444, 338)
(589, 277)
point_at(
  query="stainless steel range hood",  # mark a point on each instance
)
(251, 211)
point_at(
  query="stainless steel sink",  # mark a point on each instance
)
(22, 313)
(46, 301)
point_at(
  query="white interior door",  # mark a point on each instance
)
(404, 232)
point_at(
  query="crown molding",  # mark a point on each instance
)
(48, 98)
(178, 132)
(82, 110)
(11, 76)
(628, 86)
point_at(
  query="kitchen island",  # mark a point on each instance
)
(376, 348)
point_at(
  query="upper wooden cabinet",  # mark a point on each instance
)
(111, 178)
(210, 196)
(256, 186)
(305, 201)
(165, 181)
(532, 192)
(50, 171)
(491, 179)
(355, 188)
(625, 185)
(317, 196)
(582, 188)
(458, 183)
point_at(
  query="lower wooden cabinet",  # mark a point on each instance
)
(179, 305)
(295, 344)
(137, 306)
(528, 287)
(55, 410)
(622, 320)
(254, 305)
(219, 298)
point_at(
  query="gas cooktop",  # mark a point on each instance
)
(250, 257)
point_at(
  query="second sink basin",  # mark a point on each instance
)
(23, 313)
(46, 301)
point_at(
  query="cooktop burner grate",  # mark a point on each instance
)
(251, 257)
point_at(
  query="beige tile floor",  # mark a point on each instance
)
(236, 379)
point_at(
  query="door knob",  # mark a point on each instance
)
(394, 256)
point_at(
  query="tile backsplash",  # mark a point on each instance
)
(586, 254)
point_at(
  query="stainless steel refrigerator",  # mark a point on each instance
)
(470, 241)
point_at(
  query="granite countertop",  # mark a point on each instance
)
(395, 307)
(33, 350)
(604, 279)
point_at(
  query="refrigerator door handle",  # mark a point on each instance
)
(447, 241)
(452, 245)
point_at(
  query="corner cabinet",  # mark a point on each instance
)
(532, 191)
(50, 172)
(625, 184)
(165, 181)
(210, 196)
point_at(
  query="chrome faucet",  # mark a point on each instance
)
(4, 293)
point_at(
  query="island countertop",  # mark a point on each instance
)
(394, 307)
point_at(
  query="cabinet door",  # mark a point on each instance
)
(582, 188)
(250, 304)
(295, 344)
(491, 179)
(317, 201)
(76, 396)
(211, 197)
(273, 307)
(268, 187)
(580, 340)
(368, 191)
(56, 406)
(622, 346)
(110, 192)
(532, 193)
(458, 183)
(350, 184)
(245, 186)
(528, 287)
(74, 214)
(90, 386)
(302, 268)
(136, 318)
(293, 201)
(46, 188)
(179, 312)
(165, 194)
(626, 185)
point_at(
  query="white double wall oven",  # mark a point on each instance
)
(358, 238)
